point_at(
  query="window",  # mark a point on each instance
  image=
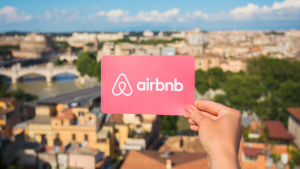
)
(73, 137)
(81, 114)
(62, 122)
(86, 137)
(250, 158)
(90, 118)
(44, 139)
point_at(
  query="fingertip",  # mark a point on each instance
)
(189, 109)
(194, 128)
(185, 116)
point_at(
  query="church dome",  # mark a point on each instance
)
(197, 37)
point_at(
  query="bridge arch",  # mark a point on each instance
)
(7, 74)
(73, 72)
(32, 73)
(48, 72)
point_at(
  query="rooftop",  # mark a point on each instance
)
(115, 118)
(6, 111)
(66, 114)
(153, 159)
(295, 112)
(254, 152)
(39, 119)
(102, 134)
(7, 99)
(277, 130)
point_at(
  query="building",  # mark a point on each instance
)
(81, 39)
(154, 159)
(233, 65)
(148, 33)
(168, 51)
(75, 156)
(269, 150)
(294, 123)
(277, 132)
(206, 62)
(34, 45)
(190, 144)
(73, 117)
(9, 116)
(195, 45)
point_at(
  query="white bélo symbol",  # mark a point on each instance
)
(122, 89)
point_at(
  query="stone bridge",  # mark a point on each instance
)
(48, 72)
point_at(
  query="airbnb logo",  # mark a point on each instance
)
(160, 86)
(146, 86)
(122, 90)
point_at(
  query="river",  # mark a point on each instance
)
(35, 84)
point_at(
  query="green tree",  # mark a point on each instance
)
(20, 95)
(201, 81)
(3, 88)
(242, 92)
(88, 65)
(168, 125)
(216, 77)
(58, 62)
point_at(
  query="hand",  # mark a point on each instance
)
(220, 131)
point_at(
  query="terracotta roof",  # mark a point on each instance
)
(66, 114)
(115, 118)
(255, 49)
(7, 99)
(149, 159)
(252, 151)
(6, 111)
(277, 130)
(295, 112)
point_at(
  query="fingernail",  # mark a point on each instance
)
(188, 109)
(187, 114)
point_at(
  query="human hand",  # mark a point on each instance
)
(220, 131)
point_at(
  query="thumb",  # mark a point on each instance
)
(194, 114)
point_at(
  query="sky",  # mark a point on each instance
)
(139, 15)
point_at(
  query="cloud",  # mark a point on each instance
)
(285, 10)
(118, 15)
(10, 14)
(244, 12)
(62, 15)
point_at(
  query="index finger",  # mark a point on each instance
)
(210, 107)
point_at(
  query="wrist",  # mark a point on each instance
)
(227, 159)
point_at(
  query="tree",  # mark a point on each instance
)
(201, 81)
(216, 77)
(268, 87)
(3, 88)
(58, 62)
(242, 92)
(20, 95)
(88, 65)
(168, 125)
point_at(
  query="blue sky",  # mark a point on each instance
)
(137, 15)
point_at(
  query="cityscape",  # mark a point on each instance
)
(50, 83)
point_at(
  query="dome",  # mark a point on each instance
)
(197, 37)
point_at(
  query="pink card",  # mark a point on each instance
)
(160, 85)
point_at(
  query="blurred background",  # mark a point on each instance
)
(247, 56)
